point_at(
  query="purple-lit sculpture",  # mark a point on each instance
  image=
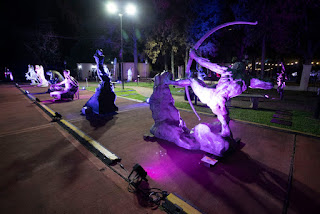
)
(168, 123)
(281, 81)
(103, 101)
(42, 79)
(65, 89)
(32, 75)
(8, 74)
(207, 137)
(233, 82)
(200, 74)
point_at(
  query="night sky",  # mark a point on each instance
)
(22, 20)
(85, 20)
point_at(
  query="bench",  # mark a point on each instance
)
(254, 99)
(149, 80)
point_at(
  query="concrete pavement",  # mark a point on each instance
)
(45, 170)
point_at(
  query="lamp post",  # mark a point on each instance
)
(129, 9)
(121, 52)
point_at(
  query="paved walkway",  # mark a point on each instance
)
(45, 170)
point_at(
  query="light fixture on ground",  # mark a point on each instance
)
(129, 9)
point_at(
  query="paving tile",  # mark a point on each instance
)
(305, 192)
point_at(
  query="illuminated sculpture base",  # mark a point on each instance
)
(170, 126)
(65, 89)
(210, 139)
(102, 102)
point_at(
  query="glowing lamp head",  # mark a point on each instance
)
(111, 7)
(131, 9)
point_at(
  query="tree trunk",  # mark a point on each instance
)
(253, 69)
(172, 64)
(165, 62)
(135, 56)
(263, 56)
(186, 62)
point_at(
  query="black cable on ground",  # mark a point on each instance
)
(290, 178)
(138, 184)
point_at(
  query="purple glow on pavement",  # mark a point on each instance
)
(157, 169)
(156, 172)
(169, 162)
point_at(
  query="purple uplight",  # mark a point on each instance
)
(156, 172)
(159, 168)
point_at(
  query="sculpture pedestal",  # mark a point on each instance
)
(210, 140)
(102, 102)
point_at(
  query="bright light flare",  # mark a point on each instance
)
(112, 7)
(131, 9)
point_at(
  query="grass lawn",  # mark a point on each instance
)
(301, 121)
(127, 93)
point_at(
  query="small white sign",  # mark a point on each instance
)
(209, 160)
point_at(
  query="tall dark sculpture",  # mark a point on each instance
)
(103, 101)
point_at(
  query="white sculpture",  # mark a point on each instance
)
(42, 79)
(32, 75)
(129, 74)
(65, 89)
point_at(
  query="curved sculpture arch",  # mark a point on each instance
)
(197, 45)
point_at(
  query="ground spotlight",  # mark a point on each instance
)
(56, 117)
(140, 174)
(57, 114)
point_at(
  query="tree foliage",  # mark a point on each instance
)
(169, 33)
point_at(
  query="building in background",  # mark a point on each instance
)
(89, 71)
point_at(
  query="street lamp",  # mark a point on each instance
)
(129, 9)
